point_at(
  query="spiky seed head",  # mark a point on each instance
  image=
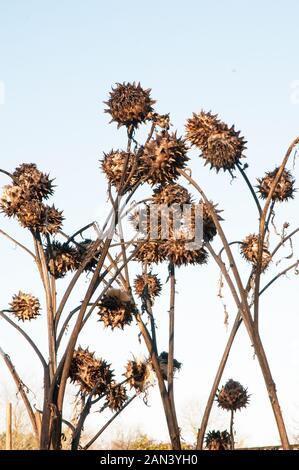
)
(232, 396)
(249, 249)
(31, 214)
(150, 252)
(116, 309)
(163, 361)
(11, 200)
(156, 221)
(84, 250)
(36, 216)
(129, 104)
(171, 194)
(61, 258)
(116, 396)
(147, 284)
(162, 157)
(209, 227)
(52, 220)
(36, 184)
(113, 166)
(138, 373)
(178, 252)
(201, 214)
(221, 146)
(142, 221)
(199, 128)
(92, 374)
(224, 149)
(25, 306)
(284, 189)
(218, 440)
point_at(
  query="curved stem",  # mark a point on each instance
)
(237, 242)
(20, 386)
(284, 271)
(262, 227)
(17, 243)
(282, 242)
(28, 339)
(6, 173)
(243, 173)
(65, 324)
(72, 237)
(97, 435)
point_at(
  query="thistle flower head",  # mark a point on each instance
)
(139, 374)
(284, 189)
(232, 396)
(218, 440)
(35, 184)
(129, 104)
(25, 306)
(162, 157)
(92, 374)
(221, 146)
(116, 309)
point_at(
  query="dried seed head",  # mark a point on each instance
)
(116, 396)
(250, 248)
(201, 214)
(116, 309)
(113, 166)
(162, 157)
(218, 440)
(34, 183)
(147, 284)
(163, 361)
(11, 200)
(180, 253)
(25, 306)
(52, 220)
(284, 189)
(221, 146)
(150, 252)
(61, 259)
(36, 216)
(200, 127)
(129, 104)
(232, 396)
(93, 375)
(171, 194)
(138, 373)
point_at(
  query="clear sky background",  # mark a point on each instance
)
(58, 60)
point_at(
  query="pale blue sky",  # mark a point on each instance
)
(58, 60)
